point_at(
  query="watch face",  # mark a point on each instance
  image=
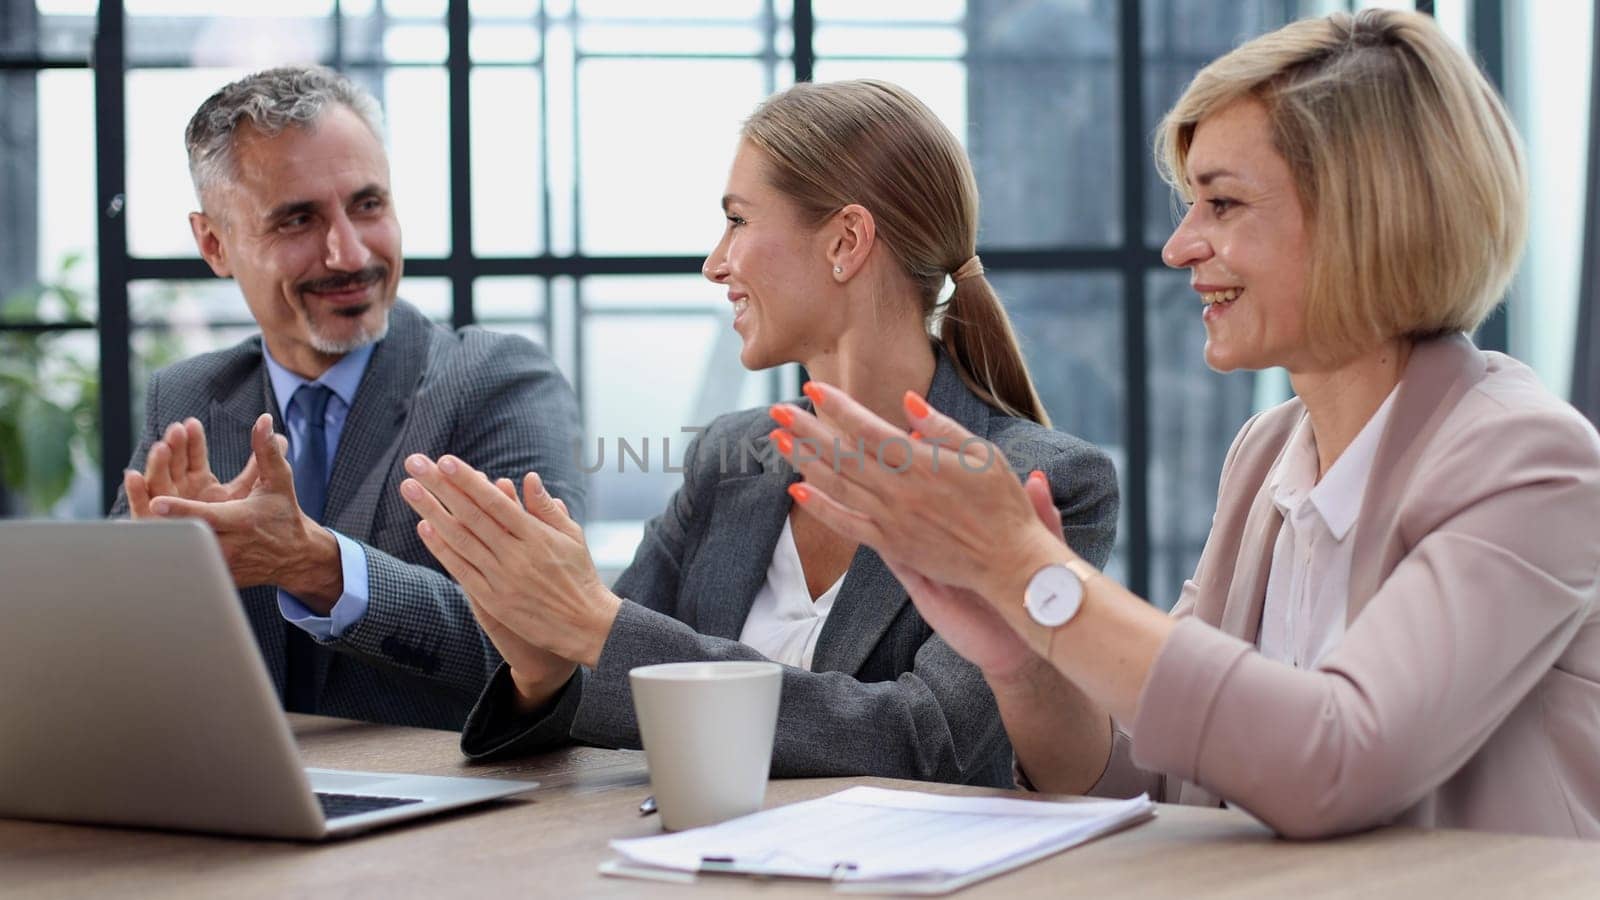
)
(1053, 596)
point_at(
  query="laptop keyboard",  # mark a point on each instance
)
(336, 806)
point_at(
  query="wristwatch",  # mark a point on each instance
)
(1055, 592)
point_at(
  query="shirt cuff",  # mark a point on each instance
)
(351, 605)
(495, 729)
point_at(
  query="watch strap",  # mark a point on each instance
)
(1082, 569)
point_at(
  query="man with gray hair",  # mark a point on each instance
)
(290, 445)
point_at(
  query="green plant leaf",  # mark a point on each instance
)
(13, 466)
(86, 416)
(22, 305)
(24, 349)
(47, 432)
(71, 302)
(16, 377)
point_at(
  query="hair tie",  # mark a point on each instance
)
(968, 269)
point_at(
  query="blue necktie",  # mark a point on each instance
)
(311, 461)
(311, 489)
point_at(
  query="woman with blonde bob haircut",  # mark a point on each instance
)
(1417, 221)
(1394, 619)
(849, 206)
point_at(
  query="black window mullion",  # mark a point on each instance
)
(35, 64)
(804, 23)
(805, 27)
(116, 395)
(1136, 430)
(40, 327)
(459, 62)
(1488, 42)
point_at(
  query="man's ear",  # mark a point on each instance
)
(208, 238)
(853, 232)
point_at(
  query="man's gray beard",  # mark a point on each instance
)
(349, 345)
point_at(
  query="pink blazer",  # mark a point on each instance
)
(1466, 690)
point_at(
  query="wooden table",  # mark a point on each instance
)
(549, 843)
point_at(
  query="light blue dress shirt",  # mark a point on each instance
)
(343, 379)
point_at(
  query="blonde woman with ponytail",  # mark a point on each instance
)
(849, 208)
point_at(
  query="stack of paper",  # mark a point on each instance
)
(870, 839)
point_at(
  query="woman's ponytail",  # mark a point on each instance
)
(977, 335)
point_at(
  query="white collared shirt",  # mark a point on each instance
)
(784, 621)
(1308, 587)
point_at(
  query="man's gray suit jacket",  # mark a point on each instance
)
(497, 401)
(886, 696)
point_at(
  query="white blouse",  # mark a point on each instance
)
(1308, 586)
(784, 621)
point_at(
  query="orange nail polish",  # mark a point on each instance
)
(916, 435)
(815, 393)
(784, 440)
(799, 492)
(1036, 475)
(916, 407)
(781, 415)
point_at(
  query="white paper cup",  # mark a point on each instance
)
(707, 729)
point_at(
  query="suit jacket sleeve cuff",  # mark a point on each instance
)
(639, 636)
(1179, 698)
(347, 610)
(495, 729)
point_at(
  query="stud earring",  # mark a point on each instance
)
(838, 270)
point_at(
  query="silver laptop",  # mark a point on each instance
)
(132, 692)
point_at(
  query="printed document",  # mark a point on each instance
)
(876, 840)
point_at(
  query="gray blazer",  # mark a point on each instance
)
(886, 696)
(417, 657)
